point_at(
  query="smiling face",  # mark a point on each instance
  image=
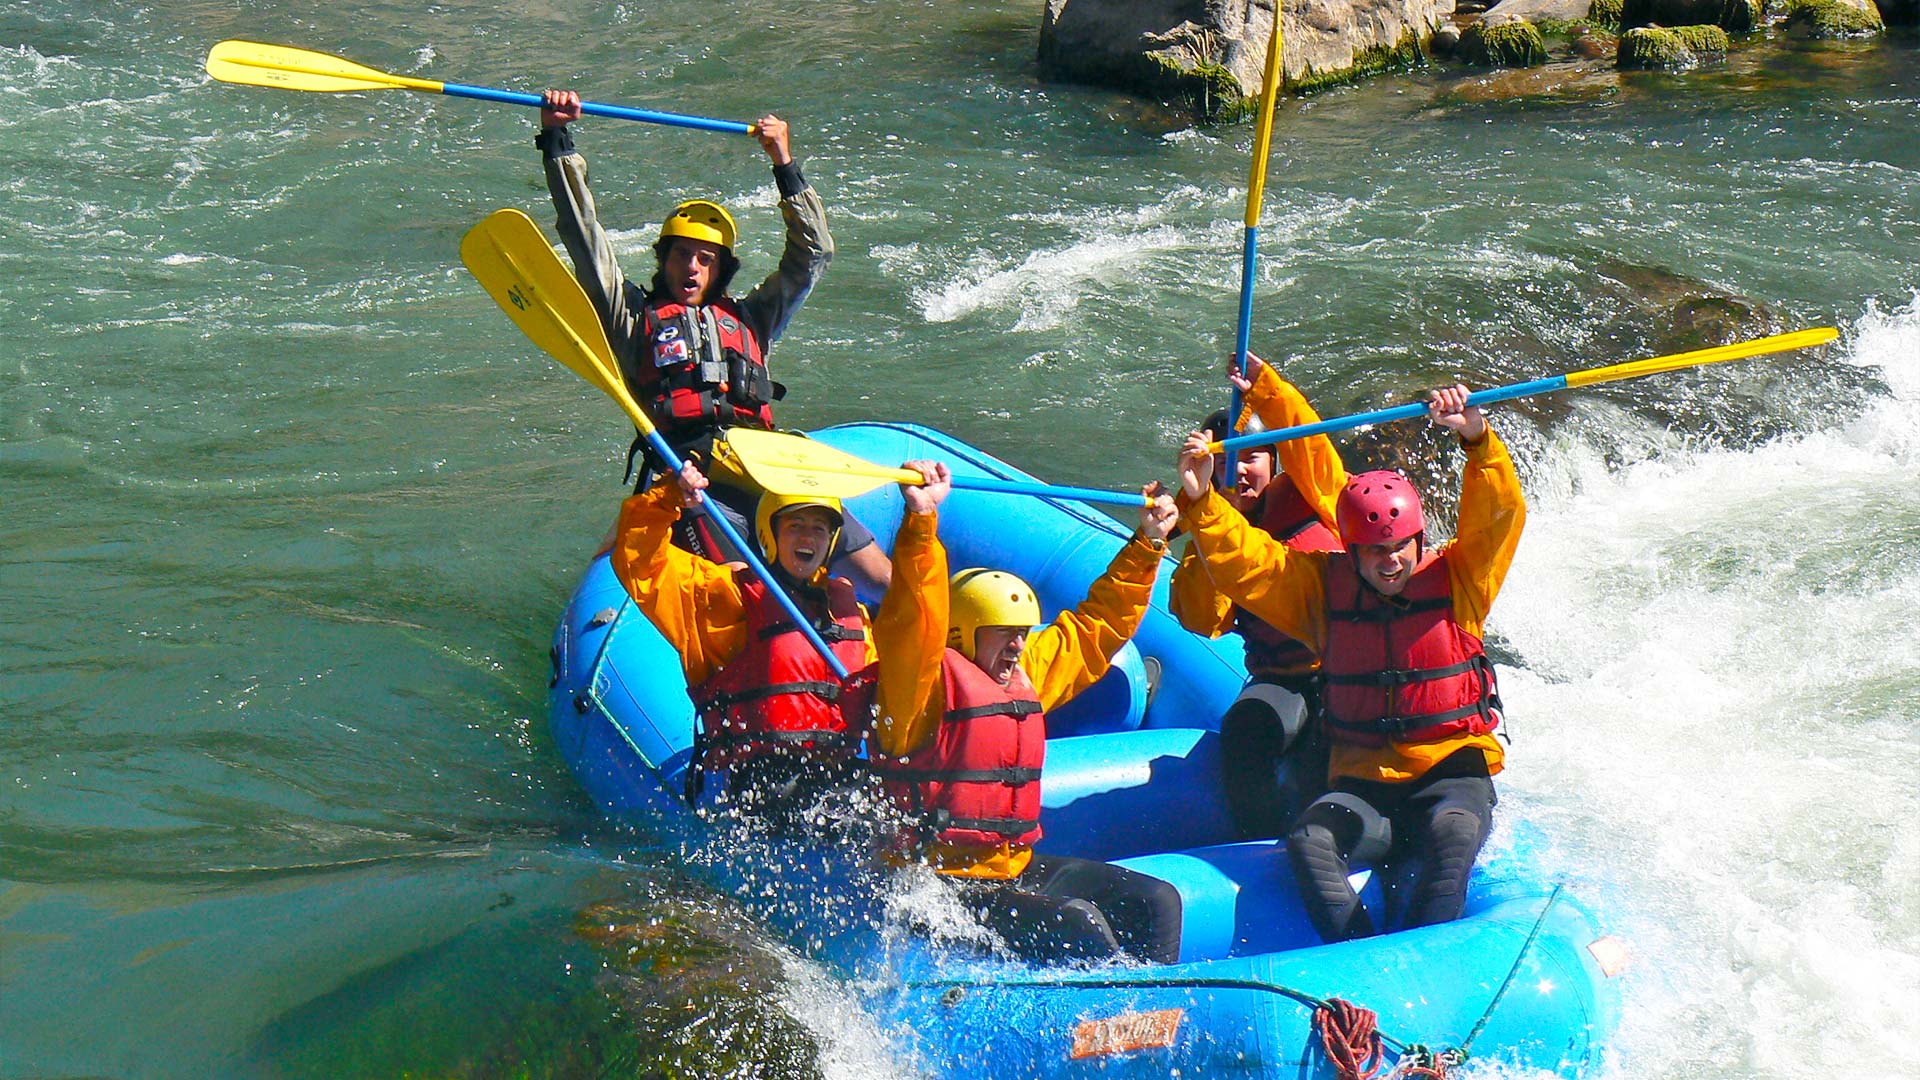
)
(997, 649)
(801, 539)
(1387, 567)
(1252, 473)
(689, 268)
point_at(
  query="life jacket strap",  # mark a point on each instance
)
(1391, 611)
(1004, 708)
(1404, 676)
(825, 691)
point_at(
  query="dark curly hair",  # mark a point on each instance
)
(722, 277)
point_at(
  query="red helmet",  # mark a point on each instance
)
(1378, 507)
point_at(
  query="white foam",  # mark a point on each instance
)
(1716, 692)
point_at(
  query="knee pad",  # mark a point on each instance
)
(1264, 704)
(1359, 829)
(1083, 931)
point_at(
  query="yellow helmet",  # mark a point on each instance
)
(772, 506)
(698, 219)
(978, 597)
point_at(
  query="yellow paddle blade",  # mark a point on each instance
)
(791, 465)
(251, 63)
(514, 263)
(1799, 339)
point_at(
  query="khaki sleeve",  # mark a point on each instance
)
(695, 604)
(619, 304)
(1072, 652)
(809, 248)
(910, 634)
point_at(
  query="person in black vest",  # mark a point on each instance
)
(693, 355)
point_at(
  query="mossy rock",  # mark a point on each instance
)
(1653, 48)
(1833, 19)
(1206, 89)
(1705, 42)
(1509, 44)
(1404, 55)
(1606, 13)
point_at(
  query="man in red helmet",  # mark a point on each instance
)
(1408, 692)
(693, 355)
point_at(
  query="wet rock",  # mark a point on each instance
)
(1833, 18)
(1900, 12)
(1590, 44)
(1653, 48)
(1540, 11)
(1502, 42)
(1559, 82)
(1606, 13)
(1446, 39)
(1734, 16)
(1209, 56)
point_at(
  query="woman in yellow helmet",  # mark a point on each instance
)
(965, 682)
(773, 718)
(693, 355)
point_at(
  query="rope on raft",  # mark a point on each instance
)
(1351, 1036)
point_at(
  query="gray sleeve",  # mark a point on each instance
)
(809, 248)
(619, 302)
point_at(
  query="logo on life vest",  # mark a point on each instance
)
(727, 324)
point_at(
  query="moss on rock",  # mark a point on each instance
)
(1652, 48)
(1705, 42)
(1508, 44)
(1207, 89)
(1606, 13)
(1833, 19)
(1404, 55)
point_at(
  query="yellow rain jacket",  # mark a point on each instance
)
(1061, 659)
(694, 603)
(1288, 589)
(1312, 464)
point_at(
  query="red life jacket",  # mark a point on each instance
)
(978, 781)
(778, 695)
(701, 368)
(1286, 514)
(1401, 668)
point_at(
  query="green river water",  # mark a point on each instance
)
(287, 508)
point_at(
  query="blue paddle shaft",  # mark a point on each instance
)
(1051, 491)
(1387, 416)
(1245, 332)
(594, 108)
(759, 568)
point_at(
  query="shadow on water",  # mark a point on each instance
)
(664, 980)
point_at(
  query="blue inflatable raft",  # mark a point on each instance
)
(1132, 776)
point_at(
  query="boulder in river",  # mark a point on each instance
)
(1497, 41)
(1208, 56)
(1834, 18)
(1734, 16)
(1656, 48)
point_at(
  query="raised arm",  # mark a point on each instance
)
(1073, 651)
(594, 263)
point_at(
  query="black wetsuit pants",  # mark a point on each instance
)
(1063, 908)
(1440, 819)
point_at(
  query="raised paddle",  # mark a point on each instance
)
(251, 63)
(1632, 369)
(793, 465)
(518, 268)
(1256, 191)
